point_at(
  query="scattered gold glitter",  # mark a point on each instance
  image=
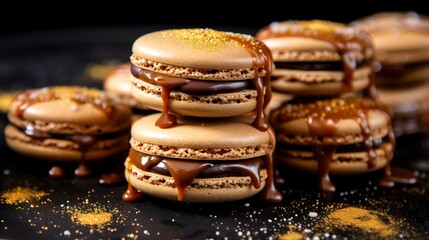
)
(362, 219)
(93, 218)
(21, 194)
(209, 39)
(291, 236)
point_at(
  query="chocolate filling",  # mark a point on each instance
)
(200, 87)
(314, 66)
(185, 171)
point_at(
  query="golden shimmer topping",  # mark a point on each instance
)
(75, 95)
(92, 218)
(336, 108)
(209, 39)
(320, 25)
(21, 194)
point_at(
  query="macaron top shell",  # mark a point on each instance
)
(53, 107)
(315, 35)
(196, 48)
(118, 80)
(203, 133)
(396, 32)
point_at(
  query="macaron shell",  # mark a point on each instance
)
(170, 47)
(409, 76)
(397, 40)
(207, 190)
(218, 105)
(59, 111)
(118, 80)
(65, 118)
(62, 150)
(348, 130)
(201, 138)
(337, 167)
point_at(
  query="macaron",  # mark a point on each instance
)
(338, 136)
(117, 85)
(319, 58)
(67, 124)
(201, 73)
(401, 42)
(200, 160)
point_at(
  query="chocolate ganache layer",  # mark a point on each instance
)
(198, 87)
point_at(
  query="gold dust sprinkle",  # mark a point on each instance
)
(5, 100)
(362, 219)
(92, 218)
(209, 39)
(21, 194)
(291, 236)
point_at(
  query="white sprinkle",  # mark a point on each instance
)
(217, 233)
(67, 233)
(326, 234)
(312, 214)
(240, 233)
(247, 204)
(307, 230)
(6, 172)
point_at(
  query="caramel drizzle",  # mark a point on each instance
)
(185, 171)
(341, 43)
(270, 192)
(323, 119)
(75, 95)
(262, 61)
(167, 83)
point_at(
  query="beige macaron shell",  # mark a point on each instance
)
(60, 150)
(119, 82)
(67, 112)
(347, 129)
(397, 40)
(207, 190)
(225, 104)
(201, 138)
(166, 47)
(337, 167)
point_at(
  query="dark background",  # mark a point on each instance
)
(33, 16)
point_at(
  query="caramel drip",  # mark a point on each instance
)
(77, 96)
(131, 194)
(270, 192)
(323, 119)
(167, 83)
(324, 155)
(56, 172)
(143, 161)
(393, 176)
(340, 41)
(262, 61)
(185, 171)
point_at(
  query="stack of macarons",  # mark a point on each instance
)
(401, 42)
(335, 123)
(68, 124)
(211, 141)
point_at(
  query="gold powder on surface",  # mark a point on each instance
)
(209, 39)
(93, 218)
(21, 194)
(291, 236)
(362, 219)
(320, 25)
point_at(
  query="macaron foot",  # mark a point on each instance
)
(82, 171)
(132, 195)
(56, 172)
